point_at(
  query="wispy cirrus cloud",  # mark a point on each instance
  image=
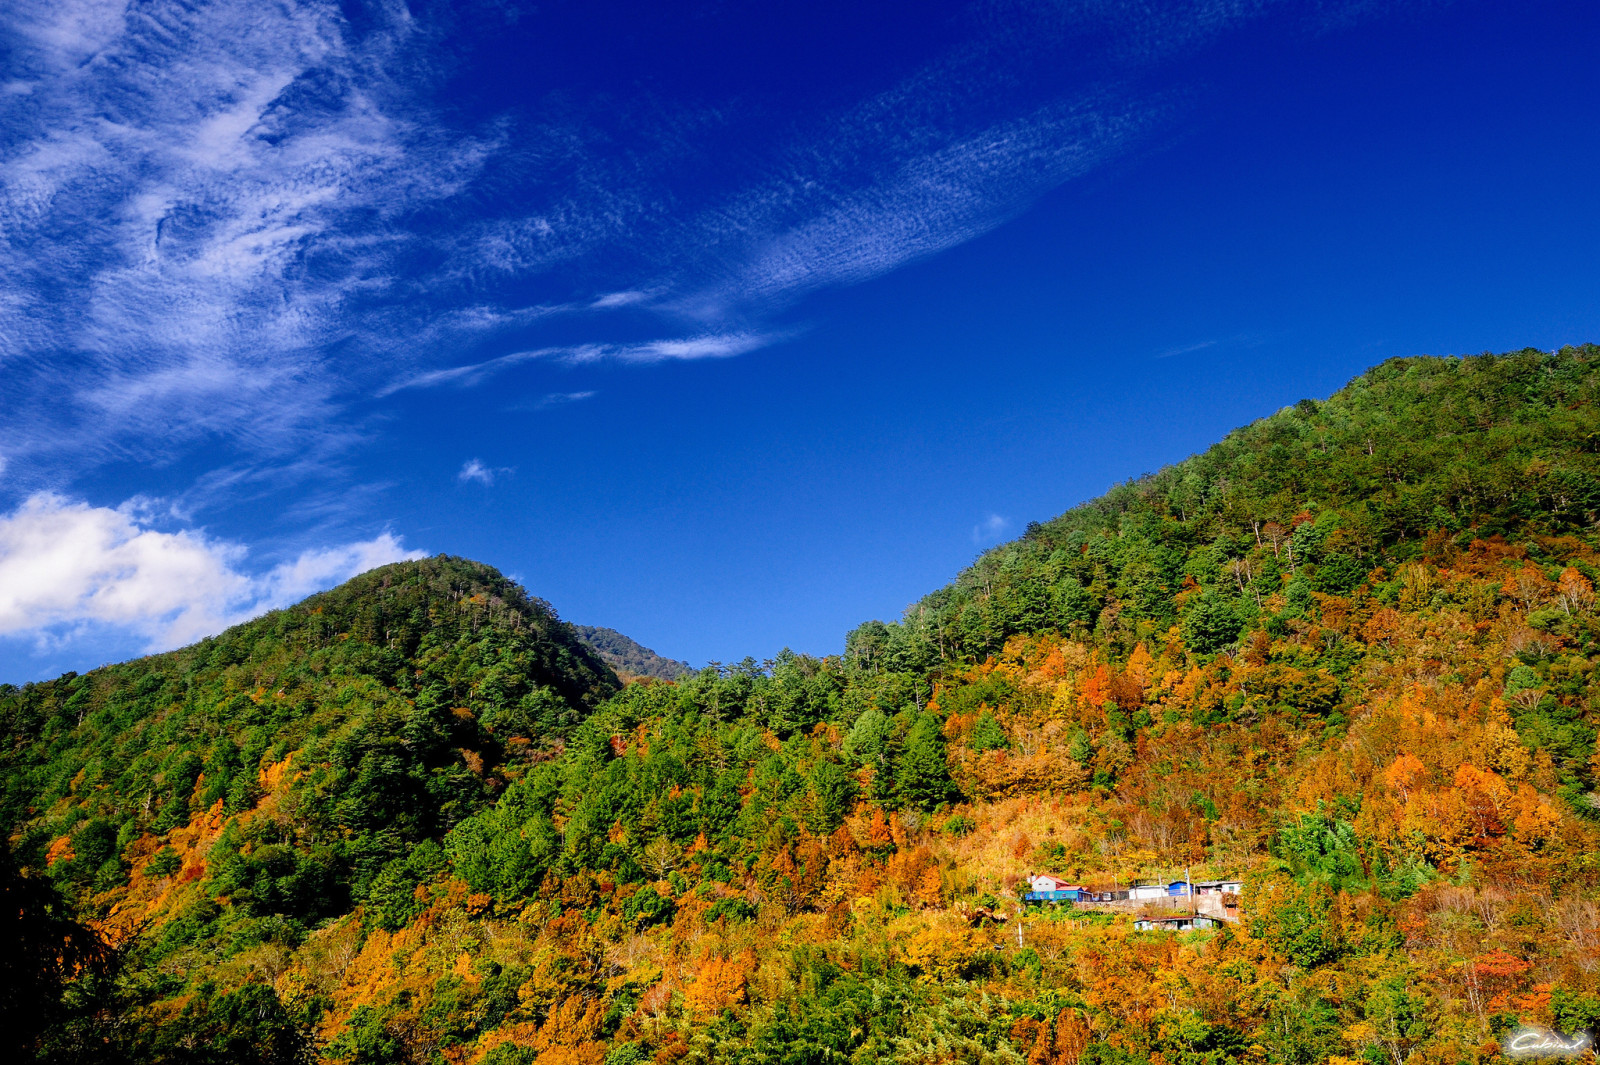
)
(706, 346)
(224, 221)
(932, 187)
(194, 201)
(1187, 349)
(232, 233)
(1237, 340)
(711, 346)
(553, 399)
(556, 399)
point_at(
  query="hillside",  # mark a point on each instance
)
(406, 699)
(627, 656)
(1346, 655)
(1415, 457)
(369, 672)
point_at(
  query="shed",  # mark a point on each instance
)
(1117, 895)
(1178, 888)
(1147, 891)
(1218, 887)
(1183, 923)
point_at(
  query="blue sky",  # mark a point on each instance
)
(727, 325)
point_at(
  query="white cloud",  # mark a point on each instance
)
(613, 300)
(474, 470)
(1186, 349)
(556, 399)
(323, 567)
(1237, 340)
(63, 563)
(67, 566)
(682, 349)
(991, 530)
(708, 346)
(471, 374)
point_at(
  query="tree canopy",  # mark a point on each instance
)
(1345, 655)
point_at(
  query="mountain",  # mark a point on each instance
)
(403, 672)
(626, 656)
(1417, 457)
(1344, 656)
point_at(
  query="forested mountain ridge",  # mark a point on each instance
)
(629, 656)
(1406, 457)
(366, 684)
(1324, 655)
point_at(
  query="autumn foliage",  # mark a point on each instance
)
(1334, 657)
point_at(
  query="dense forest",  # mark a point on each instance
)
(1346, 655)
(626, 656)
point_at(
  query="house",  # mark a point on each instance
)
(1184, 923)
(1043, 887)
(1118, 895)
(1046, 887)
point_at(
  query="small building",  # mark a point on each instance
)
(1218, 887)
(1178, 889)
(1043, 887)
(1147, 891)
(1183, 923)
(1117, 895)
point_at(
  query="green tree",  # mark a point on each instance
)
(829, 794)
(922, 777)
(987, 735)
(1210, 624)
(1300, 921)
(43, 949)
(868, 738)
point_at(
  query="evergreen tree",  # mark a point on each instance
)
(922, 778)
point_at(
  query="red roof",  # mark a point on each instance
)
(1060, 884)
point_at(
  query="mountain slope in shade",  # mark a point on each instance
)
(627, 656)
(406, 698)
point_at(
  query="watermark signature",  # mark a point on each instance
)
(1544, 1043)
